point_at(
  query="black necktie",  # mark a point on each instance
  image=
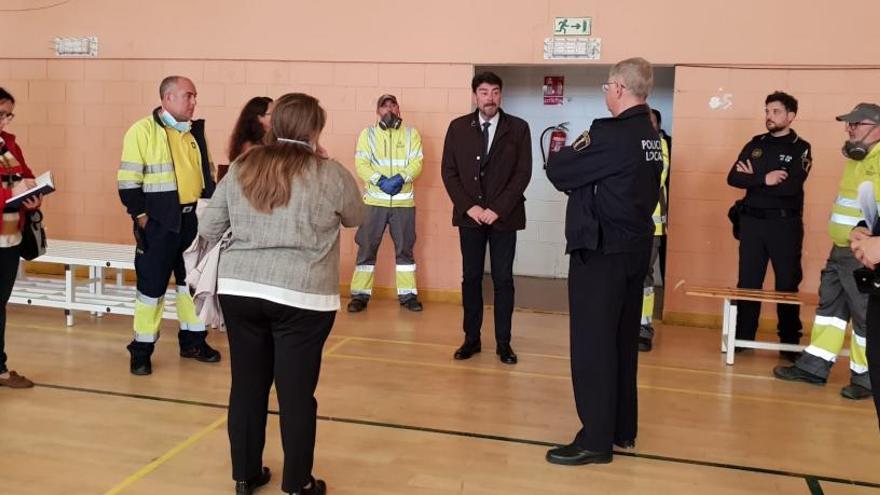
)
(486, 139)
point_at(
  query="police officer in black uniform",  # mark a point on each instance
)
(772, 169)
(612, 175)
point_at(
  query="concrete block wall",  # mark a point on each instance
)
(71, 116)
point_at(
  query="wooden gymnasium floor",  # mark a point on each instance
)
(399, 416)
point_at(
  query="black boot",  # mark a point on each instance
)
(140, 357)
(193, 345)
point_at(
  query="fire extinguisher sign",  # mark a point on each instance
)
(554, 89)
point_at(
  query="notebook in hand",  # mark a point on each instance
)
(44, 186)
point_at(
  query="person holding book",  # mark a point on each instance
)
(15, 178)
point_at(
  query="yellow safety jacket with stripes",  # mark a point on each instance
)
(388, 152)
(846, 212)
(663, 203)
(146, 179)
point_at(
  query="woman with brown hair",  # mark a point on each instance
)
(15, 178)
(252, 125)
(278, 281)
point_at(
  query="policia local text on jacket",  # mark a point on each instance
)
(612, 176)
(771, 227)
(387, 152)
(162, 174)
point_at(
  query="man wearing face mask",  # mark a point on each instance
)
(388, 159)
(165, 169)
(772, 168)
(839, 297)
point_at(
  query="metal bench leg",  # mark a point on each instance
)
(731, 331)
(99, 286)
(69, 294)
(725, 324)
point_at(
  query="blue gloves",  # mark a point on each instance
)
(390, 186)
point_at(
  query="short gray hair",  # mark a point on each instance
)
(167, 84)
(637, 76)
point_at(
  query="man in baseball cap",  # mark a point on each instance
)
(839, 299)
(388, 160)
(862, 111)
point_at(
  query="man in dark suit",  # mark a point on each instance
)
(487, 164)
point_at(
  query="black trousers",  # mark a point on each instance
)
(778, 241)
(159, 253)
(8, 269)
(605, 304)
(502, 249)
(270, 341)
(872, 349)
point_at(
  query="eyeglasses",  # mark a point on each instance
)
(7, 116)
(855, 125)
(607, 85)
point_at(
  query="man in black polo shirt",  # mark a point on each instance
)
(772, 168)
(612, 175)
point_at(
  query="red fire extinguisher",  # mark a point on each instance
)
(557, 140)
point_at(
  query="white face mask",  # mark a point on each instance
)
(310, 146)
(170, 121)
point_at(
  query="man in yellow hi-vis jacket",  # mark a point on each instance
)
(653, 278)
(389, 159)
(165, 169)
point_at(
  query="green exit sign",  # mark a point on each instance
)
(572, 26)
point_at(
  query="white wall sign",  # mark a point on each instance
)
(573, 48)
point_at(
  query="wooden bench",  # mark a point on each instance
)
(91, 294)
(729, 342)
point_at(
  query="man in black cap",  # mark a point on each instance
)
(772, 168)
(388, 159)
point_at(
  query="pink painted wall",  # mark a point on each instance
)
(72, 113)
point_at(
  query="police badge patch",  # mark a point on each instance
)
(581, 142)
(757, 153)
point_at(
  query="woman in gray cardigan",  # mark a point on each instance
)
(278, 282)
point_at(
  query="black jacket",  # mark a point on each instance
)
(497, 181)
(768, 153)
(613, 184)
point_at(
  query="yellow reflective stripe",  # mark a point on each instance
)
(845, 219)
(832, 321)
(397, 197)
(157, 169)
(153, 188)
(160, 178)
(371, 139)
(135, 167)
(821, 353)
(847, 202)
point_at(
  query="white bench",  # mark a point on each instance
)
(729, 342)
(91, 294)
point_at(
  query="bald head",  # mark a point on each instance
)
(178, 96)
